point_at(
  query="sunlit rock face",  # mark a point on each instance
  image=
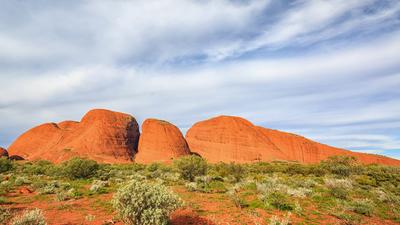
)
(160, 141)
(102, 135)
(234, 139)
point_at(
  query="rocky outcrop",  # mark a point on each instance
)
(231, 139)
(234, 139)
(160, 141)
(102, 135)
(301, 149)
(3, 152)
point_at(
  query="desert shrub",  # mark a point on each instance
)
(236, 171)
(339, 188)
(32, 217)
(191, 166)
(41, 167)
(278, 200)
(156, 170)
(90, 218)
(295, 168)
(383, 174)
(264, 167)
(5, 186)
(206, 184)
(299, 192)
(340, 165)
(62, 196)
(22, 181)
(98, 186)
(275, 220)
(365, 180)
(142, 203)
(50, 188)
(348, 218)
(317, 170)
(387, 197)
(4, 200)
(191, 186)
(234, 195)
(80, 168)
(363, 206)
(5, 215)
(5, 165)
(238, 201)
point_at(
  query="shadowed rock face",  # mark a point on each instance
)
(233, 139)
(102, 135)
(160, 141)
(3, 152)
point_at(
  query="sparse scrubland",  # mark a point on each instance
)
(192, 191)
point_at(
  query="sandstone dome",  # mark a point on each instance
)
(234, 139)
(231, 139)
(301, 149)
(102, 135)
(160, 141)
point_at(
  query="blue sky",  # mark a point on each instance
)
(328, 70)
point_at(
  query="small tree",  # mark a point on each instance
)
(191, 166)
(5, 165)
(80, 168)
(141, 203)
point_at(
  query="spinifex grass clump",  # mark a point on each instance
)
(142, 203)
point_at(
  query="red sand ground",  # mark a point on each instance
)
(201, 209)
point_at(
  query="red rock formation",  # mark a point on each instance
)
(301, 149)
(102, 135)
(3, 152)
(160, 141)
(233, 139)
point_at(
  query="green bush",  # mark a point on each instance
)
(80, 168)
(5, 215)
(142, 203)
(365, 180)
(190, 167)
(32, 217)
(5, 165)
(364, 207)
(41, 167)
(340, 165)
(278, 200)
(339, 192)
(339, 188)
(206, 184)
(236, 171)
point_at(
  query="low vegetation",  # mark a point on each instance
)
(286, 192)
(142, 203)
